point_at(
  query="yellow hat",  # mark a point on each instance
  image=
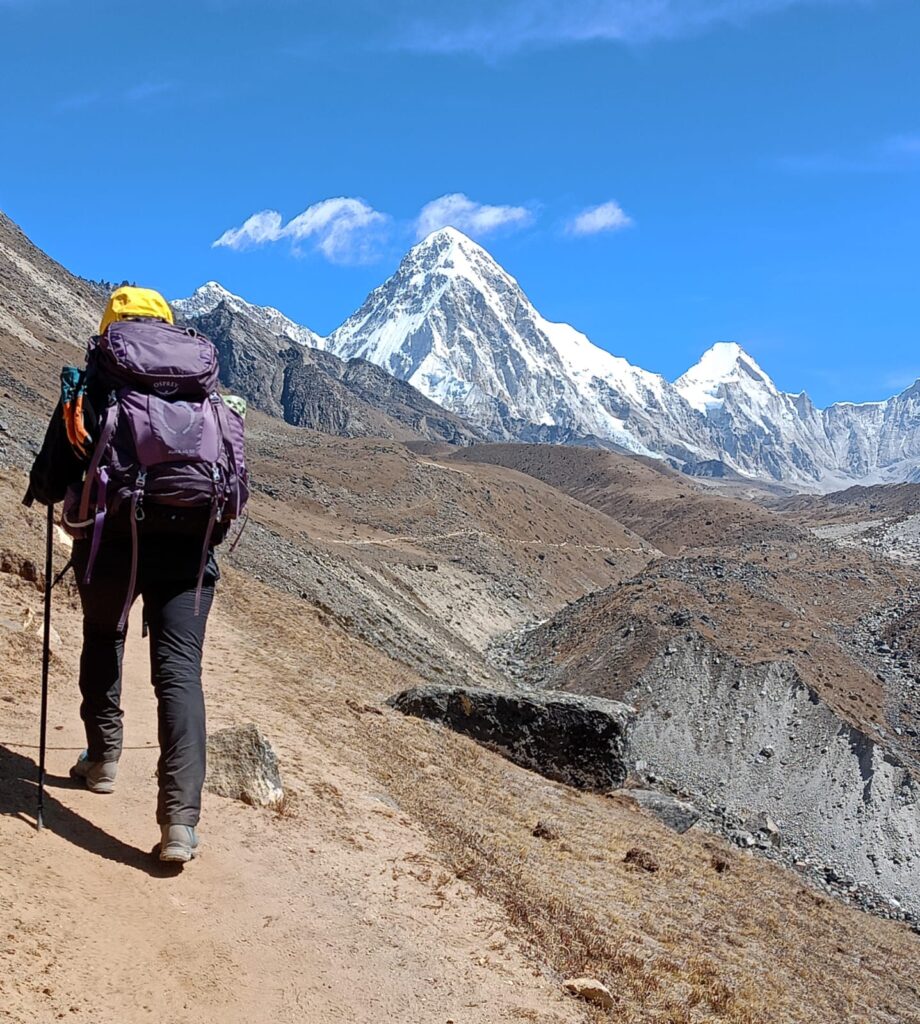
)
(127, 302)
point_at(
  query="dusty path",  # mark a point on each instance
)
(430, 538)
(340, 913)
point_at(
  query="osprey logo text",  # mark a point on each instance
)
(165, 387)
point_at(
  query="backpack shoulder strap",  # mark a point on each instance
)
(105, 436)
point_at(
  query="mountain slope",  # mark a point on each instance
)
(647, 496)
(459, 328)
(405, 879)
(40, 301)
(406, 871)
(311, 388)
(762, 431)
(758, 429)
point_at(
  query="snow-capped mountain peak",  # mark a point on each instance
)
(455, 255)
(458, 326)
(726, 363)
(205, 298)
(211, 294)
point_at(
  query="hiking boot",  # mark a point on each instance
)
(99, 776)
(179, 843)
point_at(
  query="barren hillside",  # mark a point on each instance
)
(403, 879)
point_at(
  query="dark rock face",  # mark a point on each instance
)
(580, 741)
(243, 766)
(311, 388)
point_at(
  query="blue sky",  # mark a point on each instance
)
(660, 173)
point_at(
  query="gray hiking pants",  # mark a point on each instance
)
(176, 643)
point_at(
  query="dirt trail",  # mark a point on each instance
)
(338, 913)
(430, 538)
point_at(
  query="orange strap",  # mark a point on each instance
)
(73, 423)
(82, 436)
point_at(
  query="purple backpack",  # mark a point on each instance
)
(166, 436)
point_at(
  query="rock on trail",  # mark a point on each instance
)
(243, 766)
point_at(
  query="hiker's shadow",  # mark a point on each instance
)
(19, 798)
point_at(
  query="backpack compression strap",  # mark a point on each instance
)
(100, 477)
(132, 577)
(220, 410)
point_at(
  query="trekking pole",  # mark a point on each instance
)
(46, 658)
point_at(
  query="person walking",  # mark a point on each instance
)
(148, 459)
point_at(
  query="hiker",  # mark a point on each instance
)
(147, 458)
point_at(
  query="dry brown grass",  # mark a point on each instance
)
(715, 935)
(712, 936)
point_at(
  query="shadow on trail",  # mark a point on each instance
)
(19, 798)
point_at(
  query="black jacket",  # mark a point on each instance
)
(56, 466)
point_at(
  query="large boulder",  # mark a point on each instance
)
(580, 741)
(243, 766)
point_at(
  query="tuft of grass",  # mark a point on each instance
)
(289, 804)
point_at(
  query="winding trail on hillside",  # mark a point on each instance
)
(452, 534)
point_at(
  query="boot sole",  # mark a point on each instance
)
(102, 788)
(178, 855)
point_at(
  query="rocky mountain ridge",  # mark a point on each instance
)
(308, 387)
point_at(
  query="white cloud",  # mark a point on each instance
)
(492, 28)
(609, 216)
(459, 211)
(344, 230)
(256, 230)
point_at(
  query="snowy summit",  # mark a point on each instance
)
(210, 295)
(725, 363)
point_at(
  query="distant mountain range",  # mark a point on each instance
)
(457, 327)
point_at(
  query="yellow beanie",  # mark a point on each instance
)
(127, 302)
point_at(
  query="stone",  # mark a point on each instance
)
(767, 825)
(676, 814)
(637, 859)
(545, 830)
(579, 741)
(591, 990)
(243, 766)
